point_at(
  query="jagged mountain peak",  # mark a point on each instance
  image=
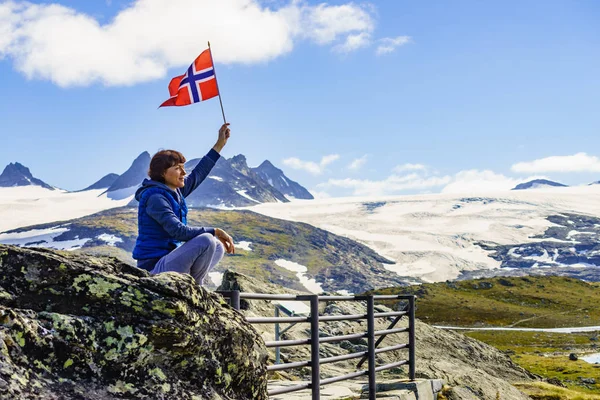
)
(277, 179)
(16, 174)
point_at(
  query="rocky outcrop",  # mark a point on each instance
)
(75, 327)
(472, 369)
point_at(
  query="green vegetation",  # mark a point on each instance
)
(545, 391)
(537, 302)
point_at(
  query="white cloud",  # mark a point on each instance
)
(319, 194)
(409, 167)
(420, 180)
(388, 45)
(391, 185)
(326, 160)
(357, 163)
(470, 181)
(311, 166)
(580, 162)
(354, 42)
(70, 48)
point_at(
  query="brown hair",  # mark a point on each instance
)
(162, 161)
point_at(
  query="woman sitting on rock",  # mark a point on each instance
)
(162, 225)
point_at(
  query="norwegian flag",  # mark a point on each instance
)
(199, 83)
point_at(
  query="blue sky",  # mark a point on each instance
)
(382, 97)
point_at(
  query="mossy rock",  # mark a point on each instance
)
(80, 327)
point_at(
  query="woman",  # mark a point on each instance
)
(162, 212)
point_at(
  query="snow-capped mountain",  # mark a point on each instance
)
(232, 183)
(104, 183)
(276, 178)
(16, 174)
(538, 184)
(126, 184)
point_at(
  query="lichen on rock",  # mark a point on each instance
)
(76, 328)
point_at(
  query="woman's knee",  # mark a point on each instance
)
(205, 241)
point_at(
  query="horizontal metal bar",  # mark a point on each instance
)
(340, 338)
(328, 318)
(344, 377)
(288, 389)
(389, 314)
(342, 358)
(286, 343)
(264, 296)
(392, 365)
(392, 348)
(393, 296)
(390, 331)
(281, 367)
(337, 298)
(275, 320)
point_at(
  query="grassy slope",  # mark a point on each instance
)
(353, 266)
(541, 302)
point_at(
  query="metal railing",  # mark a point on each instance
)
(314, 319)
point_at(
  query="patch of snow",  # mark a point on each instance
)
(216, 178)
(310, 284)
(344, 292)
(285, 181)
(243, 194)
(125, 193)
(111, 240)
(575, 233)
(220, 206)
(270, 181)
(216, 277)
(592, 358)
(554, 330)
(43, 238)
(243, 245)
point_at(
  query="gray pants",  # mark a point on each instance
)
(196, 257)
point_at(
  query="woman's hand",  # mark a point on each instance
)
(224, 134)
(226, 240)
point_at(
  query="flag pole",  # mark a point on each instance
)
(217, 82)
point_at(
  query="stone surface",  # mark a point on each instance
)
(75, 327)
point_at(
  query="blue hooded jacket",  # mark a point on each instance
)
(162, 215)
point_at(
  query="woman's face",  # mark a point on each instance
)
(174, 176)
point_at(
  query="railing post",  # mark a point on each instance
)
(277, 336)
(314, 347)
(235, 299)
(411, 338)
(371, 344)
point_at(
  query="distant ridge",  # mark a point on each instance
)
(104, 183)
(537, 183)
(276, 178)
(16, 174)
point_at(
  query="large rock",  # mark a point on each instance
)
(74, 327)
